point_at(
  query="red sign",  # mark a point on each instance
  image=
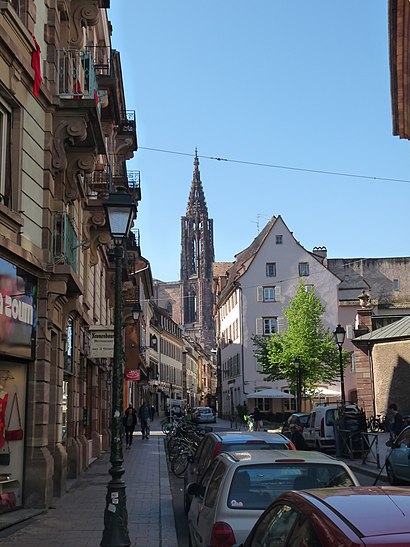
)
(133, 375)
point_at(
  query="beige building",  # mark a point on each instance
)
(65, 136)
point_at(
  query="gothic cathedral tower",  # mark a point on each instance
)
(197, 256)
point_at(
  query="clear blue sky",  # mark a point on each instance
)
(299, 84)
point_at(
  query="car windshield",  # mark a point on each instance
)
(255, 445)
(256, 486)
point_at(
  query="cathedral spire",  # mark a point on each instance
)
(196, 200)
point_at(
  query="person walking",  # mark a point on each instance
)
(144, 416)
(257, 418)
(129, 421)
(395, 421)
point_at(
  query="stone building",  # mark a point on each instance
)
(65, 137)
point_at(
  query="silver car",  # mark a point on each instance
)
(238, 486)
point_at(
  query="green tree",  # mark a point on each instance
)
(304, 354)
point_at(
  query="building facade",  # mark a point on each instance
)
(65, 137)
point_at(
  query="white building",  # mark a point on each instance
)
(250, 301)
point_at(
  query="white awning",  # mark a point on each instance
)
(325, 392)
(271, 393)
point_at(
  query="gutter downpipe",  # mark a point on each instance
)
(242, 338)
(370, 358)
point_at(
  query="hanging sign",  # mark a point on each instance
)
(133, 375)
(101, 341)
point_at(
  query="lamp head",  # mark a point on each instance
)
(339, 334)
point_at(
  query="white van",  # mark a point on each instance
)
(319, 432)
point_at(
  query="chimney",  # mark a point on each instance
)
(320, 252)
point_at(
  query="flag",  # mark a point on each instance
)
(35, 64)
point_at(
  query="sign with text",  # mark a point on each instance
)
(101, 341)
(133, 375)
(18, 295)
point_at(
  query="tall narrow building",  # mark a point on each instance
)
(197, 256)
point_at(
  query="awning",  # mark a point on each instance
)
(271, 393)
(325, 392)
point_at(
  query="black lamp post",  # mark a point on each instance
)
(120, 211)
(339, 334)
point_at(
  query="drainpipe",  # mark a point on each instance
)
(370, 358)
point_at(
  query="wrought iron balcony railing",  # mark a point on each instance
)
(127, 122)
(76, 74)
(102, 58)
(99, 183)
(134, 184)
(65, 241)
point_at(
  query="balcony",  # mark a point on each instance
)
(134, 184)
(99, 183)
(76, 74)
(65, 241)
(77, 90)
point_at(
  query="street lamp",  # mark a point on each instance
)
(120, 212)
(339, 334)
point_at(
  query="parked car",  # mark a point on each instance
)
(319, 431)
(345, 517)
(398, 459)
(238, 486)
(214, 443)
(204, 415)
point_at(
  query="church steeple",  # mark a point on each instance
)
(197, 256)
(196, 200)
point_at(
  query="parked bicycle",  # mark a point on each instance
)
(376, 423)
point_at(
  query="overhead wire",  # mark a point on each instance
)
(276, 166)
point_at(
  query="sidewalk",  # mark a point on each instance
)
(77, 519)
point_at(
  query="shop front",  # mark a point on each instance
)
(17, 331)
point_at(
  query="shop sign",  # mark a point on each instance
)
(18, 293)
(101, 341)
(133, 375)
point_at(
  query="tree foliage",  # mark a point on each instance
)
(305, 350)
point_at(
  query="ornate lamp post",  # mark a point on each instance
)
(339, 334)
(120, 210)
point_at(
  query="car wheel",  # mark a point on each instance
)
(390, 475)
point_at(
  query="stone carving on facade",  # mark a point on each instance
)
(84, 13)
(67, 132)
(78, 165)
(95, 233)
(364, 300)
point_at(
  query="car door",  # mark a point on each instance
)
(201, 461)
(400, 456)
(197, 506)
(208, 512)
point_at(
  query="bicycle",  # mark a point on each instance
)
(376, 423)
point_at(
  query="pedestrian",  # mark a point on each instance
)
(130, 421)
(257, 418)
(144, 416)
(395, 422)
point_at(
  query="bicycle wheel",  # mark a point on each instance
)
(167, 427)
(180, 463)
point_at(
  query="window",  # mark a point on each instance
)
(269, 325)
(268, 294)
(279, 240)
(395, 284)
(271, 269)
(303, 269)
(309, 288)
(5, 151)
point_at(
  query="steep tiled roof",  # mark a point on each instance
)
(220, 268)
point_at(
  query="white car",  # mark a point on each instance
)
(238, 486)
(204, 415)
